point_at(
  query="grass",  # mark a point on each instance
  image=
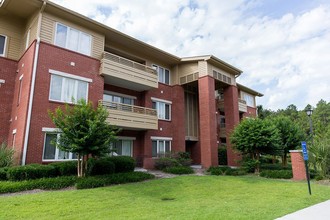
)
(184, 197)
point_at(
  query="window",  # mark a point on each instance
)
(73, 39)
(163, 74)
(20, 89)
(249, 99)
(122, 148)
(2, 45)
(51, 152)
(118, 98)
(163, 109)
(161, 147)
(66, 87)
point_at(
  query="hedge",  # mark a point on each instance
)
(66, 168)
(102, 166)
(179, 170)
(43, 183)
(277, 174)
(166, 162)
(32, 171)
(226, 171)
(117, 178)
(123, 164)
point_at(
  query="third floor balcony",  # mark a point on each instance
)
(126, 73)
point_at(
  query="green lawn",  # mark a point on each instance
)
(185, 197)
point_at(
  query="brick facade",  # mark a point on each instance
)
(298, 165)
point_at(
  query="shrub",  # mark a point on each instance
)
(102, 166)
(222, 156)
(275, 167)
(179, 170)
(249, 165)
(3, 173)
(32, 171)
(66, 168)
(117, 178)
(6, 155)
(166, 162)
(44, 183)
(277, 174)
(123, 164)
(226, 171)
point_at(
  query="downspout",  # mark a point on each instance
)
(34, 73)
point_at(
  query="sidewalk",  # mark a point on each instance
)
(319, 211)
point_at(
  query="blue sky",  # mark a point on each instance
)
(283, 46)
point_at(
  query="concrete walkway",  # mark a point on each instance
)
(319, 211)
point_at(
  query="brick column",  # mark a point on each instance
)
(298, 165)
(207, 122)
(232, 119)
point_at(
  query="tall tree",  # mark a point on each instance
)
(254, 136)
(84, 131)
(290, 134)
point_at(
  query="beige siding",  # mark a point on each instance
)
(223, 73)
(187, 72)
(32, 26)
(202, 68)
(12, 28)
(47, 34)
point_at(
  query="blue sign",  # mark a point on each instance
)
(304, 150)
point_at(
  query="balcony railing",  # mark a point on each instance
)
(242, 107)
(131, 116)
(124, 72)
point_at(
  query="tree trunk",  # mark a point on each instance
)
(284, 160)
(273, 159)
(78, 165)
(257, 169)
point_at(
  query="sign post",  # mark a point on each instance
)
(305, 155)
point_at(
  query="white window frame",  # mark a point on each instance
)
(161, 139)
(4, 46)
(67, 38)
(244, 96)
(58, 133)
(69, 76)
(158, 104)
(120, 95)
(157, 67)
(20, 86)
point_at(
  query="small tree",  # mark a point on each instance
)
(290, 135)
(254, 136)
(84, 131)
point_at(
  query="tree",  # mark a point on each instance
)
(254, 136)
(290, 134)
(84, 131)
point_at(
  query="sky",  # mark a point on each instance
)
(282, 46)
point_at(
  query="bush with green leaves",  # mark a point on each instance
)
(102, 166)
(222, 171)
(31, 171)
(117, 178)
(3, 173)
(43, 183)
(179, 170)
(6, 155)
(277, 174)
(222, 155)
(166, 162)
(275, 167)
(123, 164)
(66, 168)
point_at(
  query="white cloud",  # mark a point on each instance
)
(286, 57)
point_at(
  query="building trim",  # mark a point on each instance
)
(161, 100)
(161, 138)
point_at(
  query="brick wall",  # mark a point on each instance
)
(298, 165)
(8, 73)
(20, 106)
(232, 119)
(207, 122)
(52, 57)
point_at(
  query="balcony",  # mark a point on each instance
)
(128, 74)
(242, 107)
(131, 116)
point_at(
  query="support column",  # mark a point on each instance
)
(298, 165)
(232, 119)
(207, 122)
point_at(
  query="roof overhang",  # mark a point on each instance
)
(216, 62)
(249, 90)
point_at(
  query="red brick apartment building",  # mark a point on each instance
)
(163, 103)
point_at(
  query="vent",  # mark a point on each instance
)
(221, 77)
(188, 78)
